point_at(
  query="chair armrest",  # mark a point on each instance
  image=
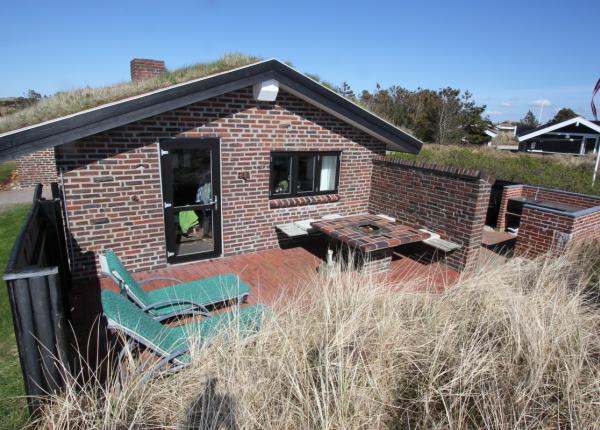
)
(173, 302)
(164, 361)
(178, 353)
(159, 278)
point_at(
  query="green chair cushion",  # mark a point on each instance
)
(166, 340)
(115, 265)
(206, 292)
(247, 318)
(140, 325)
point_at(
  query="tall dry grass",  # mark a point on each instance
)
(515, 346)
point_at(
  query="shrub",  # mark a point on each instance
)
(510, 346)
(564, 172)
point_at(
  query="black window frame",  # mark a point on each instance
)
(293, 174)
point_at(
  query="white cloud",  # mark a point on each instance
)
(506, 104)
(541, 103)
(494, 112)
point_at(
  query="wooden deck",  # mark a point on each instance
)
(273, 276)
(276, 273)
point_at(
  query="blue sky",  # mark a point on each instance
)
(511, 55)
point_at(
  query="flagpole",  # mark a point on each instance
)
(596, 166)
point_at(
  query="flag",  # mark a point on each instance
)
(596, 89)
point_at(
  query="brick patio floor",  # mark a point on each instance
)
(275, 273)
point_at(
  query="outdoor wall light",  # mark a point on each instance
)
(266, 91)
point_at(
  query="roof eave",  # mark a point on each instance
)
(116, 114)
(543, 130)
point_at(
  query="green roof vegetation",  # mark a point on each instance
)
(69, 102)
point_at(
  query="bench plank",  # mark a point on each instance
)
(441, 244)
(291, 230)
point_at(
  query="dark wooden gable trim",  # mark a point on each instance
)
(102, 118)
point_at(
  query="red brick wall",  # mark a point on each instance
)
(141, 68)
(450, 202)
(37, 168)
(510, 192)
(541, 231)
(112, 179)
(543, 194)
(574, 199)
(586, 227)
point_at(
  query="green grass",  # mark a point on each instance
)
(6, 169)
(563, 172)
(12, 408)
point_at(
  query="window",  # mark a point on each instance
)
(295, 174)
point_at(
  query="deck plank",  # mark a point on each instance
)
(275, 272)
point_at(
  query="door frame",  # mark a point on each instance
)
(166, 182)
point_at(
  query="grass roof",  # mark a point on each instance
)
(69, 102)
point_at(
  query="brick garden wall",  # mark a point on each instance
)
(112, 179)
(543, 230)
(37, 167)
(448, 201)
(542, 194)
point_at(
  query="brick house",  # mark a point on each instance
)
(241, 127)
(208, 168)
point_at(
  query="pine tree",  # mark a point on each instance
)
(529, 121)
(346, 91)
(564, 114)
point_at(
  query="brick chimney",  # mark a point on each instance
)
(142, 68)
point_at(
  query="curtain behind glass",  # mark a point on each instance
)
(328, 172)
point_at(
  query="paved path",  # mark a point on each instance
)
(24, 195)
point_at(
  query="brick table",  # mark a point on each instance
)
(372, 238)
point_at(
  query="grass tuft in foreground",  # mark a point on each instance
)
(510, 346)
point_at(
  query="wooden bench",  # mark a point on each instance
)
(437, 242)
(434, 240)
(303, 227)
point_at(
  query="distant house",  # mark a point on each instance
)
(503, 136)
(577, 136)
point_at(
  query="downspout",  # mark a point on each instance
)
(68, 229)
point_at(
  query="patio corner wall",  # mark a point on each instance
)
(544, 230)
(583, 201)
(449, 201)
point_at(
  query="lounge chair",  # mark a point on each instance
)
(173, 344)
(189, 298)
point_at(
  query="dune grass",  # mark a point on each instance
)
(565, 172)
(12, 407)
(515, 346)
(69, 102)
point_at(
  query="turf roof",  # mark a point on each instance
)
(70, 102)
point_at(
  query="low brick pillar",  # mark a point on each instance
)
(510, 192)
(375, 262)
